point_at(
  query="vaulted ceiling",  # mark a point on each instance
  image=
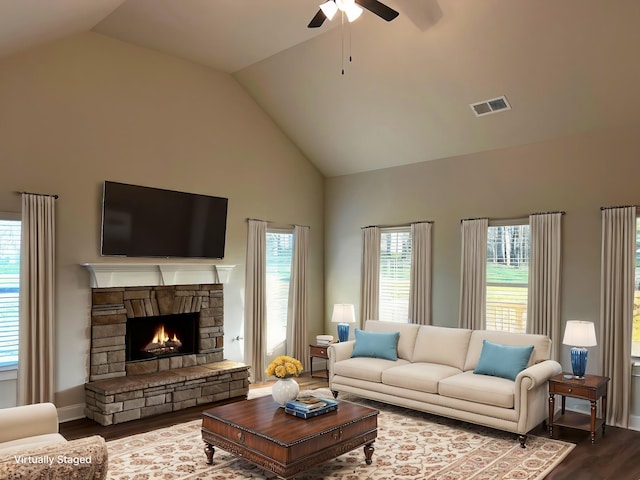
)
(566, 67)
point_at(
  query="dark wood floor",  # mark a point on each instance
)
(616, 456)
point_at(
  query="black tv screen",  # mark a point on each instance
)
(150, 222)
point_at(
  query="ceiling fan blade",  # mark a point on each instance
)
(379, 9)
(318, 20)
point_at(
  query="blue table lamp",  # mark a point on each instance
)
(579, 335)
(343, 315)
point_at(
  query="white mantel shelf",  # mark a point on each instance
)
(107, 275)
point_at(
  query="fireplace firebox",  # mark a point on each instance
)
(161, 336)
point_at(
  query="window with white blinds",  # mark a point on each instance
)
(9, 292)
(635, 334)
(279, 257)
(508, 252)
(395, 274)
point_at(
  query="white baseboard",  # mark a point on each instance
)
(71, 412)
(634, 422)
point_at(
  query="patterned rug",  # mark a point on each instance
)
(410, 445)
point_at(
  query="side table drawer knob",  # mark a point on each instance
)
(570, 390)
(241, 437)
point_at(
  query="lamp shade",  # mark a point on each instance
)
(343, 313)
(579, 334)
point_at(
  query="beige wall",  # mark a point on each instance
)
(87, 109)
(578, 175)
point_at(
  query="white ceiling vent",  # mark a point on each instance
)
(488, 107)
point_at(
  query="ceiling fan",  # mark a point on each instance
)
(352, 10)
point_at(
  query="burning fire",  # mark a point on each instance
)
(162, 342)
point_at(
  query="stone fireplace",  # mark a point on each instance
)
(157, 348)
(115, 312)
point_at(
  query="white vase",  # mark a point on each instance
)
(285, 390)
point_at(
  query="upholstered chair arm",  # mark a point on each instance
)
(81, 459)
(28, 421)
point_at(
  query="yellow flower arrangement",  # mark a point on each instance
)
(284, 367)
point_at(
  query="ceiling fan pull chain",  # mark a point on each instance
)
(350, 59)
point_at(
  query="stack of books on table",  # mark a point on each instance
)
(307, 407)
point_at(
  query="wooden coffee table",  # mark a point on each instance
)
(259, 431)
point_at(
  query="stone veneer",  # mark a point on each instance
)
(112, 306)
(119, 391)
(122, 399)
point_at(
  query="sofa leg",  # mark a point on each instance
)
(335, 393)
(523, 439)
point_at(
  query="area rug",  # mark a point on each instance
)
(410, 445)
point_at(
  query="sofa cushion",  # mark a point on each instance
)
(505, 361)
(442, 345)
(423, 377)
(496, 391)
(408, 332)
(365, 368)
(376, 344)
(541, 345)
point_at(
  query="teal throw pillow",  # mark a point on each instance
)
(376, 344)
(504, 361)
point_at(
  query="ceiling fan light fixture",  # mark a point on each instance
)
(349, 7)
(353, 13)
(329, 9)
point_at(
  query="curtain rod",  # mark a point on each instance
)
(39, 194)
(620, 206)
(513, 218)
(398, 225)
(276, 225)
(561, 212)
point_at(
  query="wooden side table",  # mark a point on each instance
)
(318, 351)
(592, 388)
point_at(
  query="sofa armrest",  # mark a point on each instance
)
(337, 352)
(537, 374)
(28, 421)
(340, 351)
(81, 459)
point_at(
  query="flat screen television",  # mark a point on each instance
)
(150, 222)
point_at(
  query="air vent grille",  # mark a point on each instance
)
(487, 107)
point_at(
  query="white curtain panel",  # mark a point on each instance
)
(473, 276)
(420, 288)
(37, 297)
(255, 308)
(616, 308)
(297, 320)
(370, 273)
(543, 310)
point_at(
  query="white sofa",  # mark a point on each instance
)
(434, 373)
(32, 449)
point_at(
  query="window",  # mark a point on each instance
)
(9, 292)
(635, 336)
(507, 277)
(279, 256)
(395, 274)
